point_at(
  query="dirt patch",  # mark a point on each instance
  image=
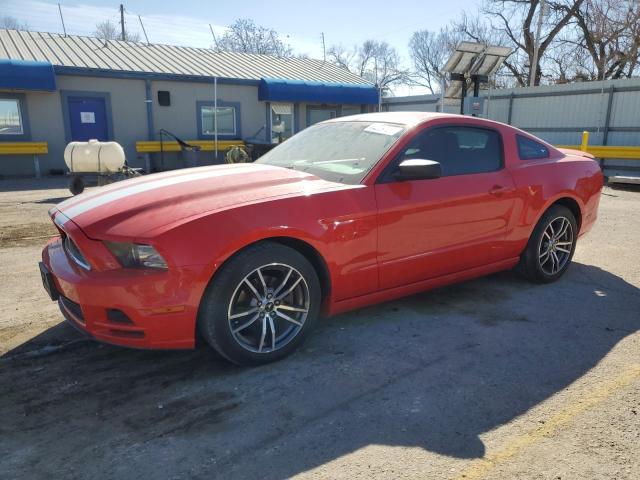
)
(26, 234)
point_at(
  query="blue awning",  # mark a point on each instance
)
(27, 75)
(280, 90)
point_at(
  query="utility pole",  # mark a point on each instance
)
(123, 36)
(536, 48)
(64, 29)
(324, 50)
(375, 66)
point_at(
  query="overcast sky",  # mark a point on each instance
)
(299, 22)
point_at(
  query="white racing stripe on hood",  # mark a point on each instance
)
(95, 202)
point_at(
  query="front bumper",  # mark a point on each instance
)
(129, 307)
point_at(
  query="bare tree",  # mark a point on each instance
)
(429, 52)
(374, 60)
(580, 40)
(609, 32)
(511, 23)
(108, 30)
(12, 23)
(564, 62)
(246, 37)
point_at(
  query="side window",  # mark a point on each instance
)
(530, 149)
(460, 150)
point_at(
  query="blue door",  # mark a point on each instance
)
(88, 118)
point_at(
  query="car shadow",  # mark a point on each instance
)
(54, 200)
(627, 187)
(435, 371)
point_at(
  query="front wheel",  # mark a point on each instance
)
(261, 305)
(551, 246)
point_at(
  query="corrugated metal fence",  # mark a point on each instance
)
(609, 110)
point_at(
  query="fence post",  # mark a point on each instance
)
(585, 141)
(607, 120)
(510, 108)
(36, 166)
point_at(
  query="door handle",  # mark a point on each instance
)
(498, 190)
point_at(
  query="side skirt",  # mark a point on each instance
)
(399, 292)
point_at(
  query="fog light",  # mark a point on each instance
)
(118, 316)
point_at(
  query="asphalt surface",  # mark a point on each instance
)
(493, 378)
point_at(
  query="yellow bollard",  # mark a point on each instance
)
(585, 141)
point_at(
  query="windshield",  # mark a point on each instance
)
(336, 151)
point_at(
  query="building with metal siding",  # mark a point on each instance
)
(559, 114)
(112, 90)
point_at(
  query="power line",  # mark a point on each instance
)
(215, 40)
(62, 20)
(143, 30)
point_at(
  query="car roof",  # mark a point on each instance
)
(408, 119)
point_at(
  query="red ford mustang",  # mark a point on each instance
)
(349, 212)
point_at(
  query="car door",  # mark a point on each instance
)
(429, 228)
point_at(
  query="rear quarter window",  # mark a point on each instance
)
(530, 149)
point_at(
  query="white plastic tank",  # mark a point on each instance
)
(94, 157)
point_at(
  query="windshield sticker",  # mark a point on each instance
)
(383, 129)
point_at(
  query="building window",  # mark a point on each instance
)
(226, 120)
(164, 98)
(281, 121)
(320, 114)
(10, 117)
(351, 110)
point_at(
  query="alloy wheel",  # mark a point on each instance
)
(268, 308)
(555, 247)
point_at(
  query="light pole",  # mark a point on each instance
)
(536, 48)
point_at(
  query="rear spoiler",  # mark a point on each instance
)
(576, 153)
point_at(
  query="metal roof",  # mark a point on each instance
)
(78, 52)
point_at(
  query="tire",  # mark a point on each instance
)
(76, 185)
(534, 264)
(265, 334)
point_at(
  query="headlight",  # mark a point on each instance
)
(135, 256)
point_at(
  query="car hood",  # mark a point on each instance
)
(129, 208)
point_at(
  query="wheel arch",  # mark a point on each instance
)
(303, 247)
(566, 200)
(570, 203)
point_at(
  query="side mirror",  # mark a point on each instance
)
(417, 169)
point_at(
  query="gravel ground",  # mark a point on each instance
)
(493, 378)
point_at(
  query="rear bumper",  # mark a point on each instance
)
(128, 307)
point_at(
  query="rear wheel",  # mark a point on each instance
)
(551, 246)
(261, 305)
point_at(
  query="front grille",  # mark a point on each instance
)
(72, 308)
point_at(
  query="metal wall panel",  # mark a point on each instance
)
(625, 110)
(497, 109)
(559, 113)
